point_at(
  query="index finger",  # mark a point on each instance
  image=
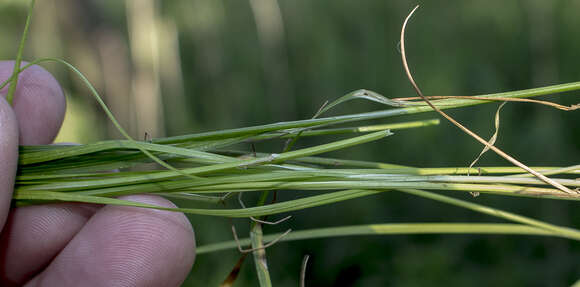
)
(39, 103)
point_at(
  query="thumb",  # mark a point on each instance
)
(8, 157)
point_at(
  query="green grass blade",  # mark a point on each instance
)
(366, 95)
(28, 158)
(500, 189)
(16, 71)
(25, 197)
(389, 229)
(401, 169)
(561, 231)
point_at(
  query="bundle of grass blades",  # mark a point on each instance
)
(204, 168)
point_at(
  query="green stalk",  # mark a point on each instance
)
(29, 158)
(500, 189)
(338, 131)
(27, 197)
(400, 169)
(16, 70)
(389, 229)
(259, 254)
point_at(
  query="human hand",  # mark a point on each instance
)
(71, 244)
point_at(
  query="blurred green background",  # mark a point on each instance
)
(175, 67)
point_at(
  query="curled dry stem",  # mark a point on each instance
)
(249, 250)
(303, 270)
(491, 141)
(463, 128)
(259, 220)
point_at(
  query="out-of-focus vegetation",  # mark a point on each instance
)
(174, 67)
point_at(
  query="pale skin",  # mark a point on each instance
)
(70, 244)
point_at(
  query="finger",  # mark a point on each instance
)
(34, 235)
(38, 103)
(126, 246)
(8, 157)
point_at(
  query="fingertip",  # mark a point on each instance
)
(39, 103)
(34, 235)
(129, 246)
(173, 250)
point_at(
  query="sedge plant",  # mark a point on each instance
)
(205, 168)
